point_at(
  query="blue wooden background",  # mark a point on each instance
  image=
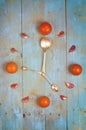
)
(18, 16)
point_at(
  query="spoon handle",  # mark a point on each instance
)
(53, 86)
(44, 62)
(43, 75)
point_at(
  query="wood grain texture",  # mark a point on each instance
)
(76, 29)
(25, 16)
(10, 100)
(34, 85)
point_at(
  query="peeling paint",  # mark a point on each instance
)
(9, 16)
(42, 4)
(58, 115)
(2, 1)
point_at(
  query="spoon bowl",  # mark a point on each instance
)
(54, 87)
(45, 43)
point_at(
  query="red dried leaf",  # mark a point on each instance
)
(14, 86)
(72, 48)
(63, 97)
(24, 35)
(61, 34)
(13, 50)
(25, 99)
(69, 85)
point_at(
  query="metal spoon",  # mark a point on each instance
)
(45, 44)
(53, 86)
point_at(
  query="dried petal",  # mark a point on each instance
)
(69, 85)
(24, 35)
(24, 68)
(72, 48)
(14, 86)
(13, 50)
(63, 97)
(25, 99)
(61, 34)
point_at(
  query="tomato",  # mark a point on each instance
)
(75, 69)
(11, 67)
(43, 101)
(45, 28)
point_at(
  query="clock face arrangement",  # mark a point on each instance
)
(45, 28)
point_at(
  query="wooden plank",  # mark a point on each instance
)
(31, 15)
(34, 12)
(56, 118)
(76, 24)
(10, 100)
(0, 124)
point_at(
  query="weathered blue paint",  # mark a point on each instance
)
(2, 1)
(10, 100)
(24, 16)
(76, 29)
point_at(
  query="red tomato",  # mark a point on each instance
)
(43, 101)
(11, 67)
(75, 69)
(45, 28)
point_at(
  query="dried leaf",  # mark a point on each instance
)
(25, 99)
(61, 34)
(13, 50)
(63, 97)
(24, 35)
(72, 48)
(69, 85)
(14, 86)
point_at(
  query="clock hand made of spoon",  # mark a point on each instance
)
(53, 86)
(45, 44)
